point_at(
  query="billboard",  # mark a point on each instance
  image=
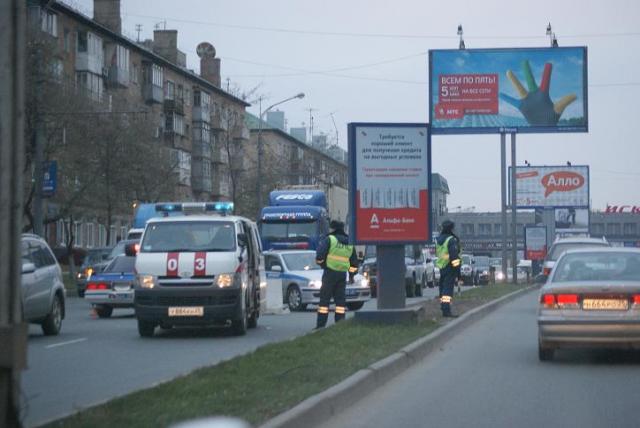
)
(570, 221)
(388, 183)
(524, 90)
(551, 186)
(535, 242)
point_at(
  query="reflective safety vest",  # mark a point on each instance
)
(442, 253)
(339, 254)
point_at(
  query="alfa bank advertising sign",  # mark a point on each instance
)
(535, 242)
(552, 186)
(474, 91)
(389, 176)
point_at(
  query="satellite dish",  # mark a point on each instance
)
(206, 49)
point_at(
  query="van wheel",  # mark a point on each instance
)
(255, 313)
(354, 306)
(53, 322)
(239, 326)
(104, 311)
(419, 286)
(294, 299)
(146, 328)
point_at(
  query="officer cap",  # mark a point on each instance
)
(336, 225)
(447, 226)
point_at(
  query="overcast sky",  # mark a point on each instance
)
(366, 61)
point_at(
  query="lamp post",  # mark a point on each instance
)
(259, 170)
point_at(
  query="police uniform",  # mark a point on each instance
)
(448, 254)
(336, 257)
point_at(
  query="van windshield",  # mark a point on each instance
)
(189, 236)
(298, 231)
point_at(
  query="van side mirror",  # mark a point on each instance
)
(131, 250)
(276, 268)
(28, 267)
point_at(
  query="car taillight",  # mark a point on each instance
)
(548, 300)
(97, 286)
(567, 300)
(636, 299)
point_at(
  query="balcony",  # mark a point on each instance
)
(87, 62)
(200, 114)
(118, 77)
(201, 149)
(218, 122)
(152, 93)
(241, 132)
(174, 106)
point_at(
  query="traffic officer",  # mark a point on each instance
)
(448, 254)
(336, 257)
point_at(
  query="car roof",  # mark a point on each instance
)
(197, 217)
(582, 239)
(605, 250)
(289, 252)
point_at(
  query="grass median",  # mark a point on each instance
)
(270, 380)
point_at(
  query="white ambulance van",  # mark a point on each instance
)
(203, 268)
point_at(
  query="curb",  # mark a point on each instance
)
(316, 409)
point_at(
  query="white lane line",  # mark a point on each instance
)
(69, 342)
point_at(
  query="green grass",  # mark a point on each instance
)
(268, 381)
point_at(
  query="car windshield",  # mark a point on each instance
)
(117, 250)
(123, 264)
(466, 260)
(370, 251)
(301, 261)
(95, 256)
(298, 231)
(561, 247)
(594, 266)
(189, 236)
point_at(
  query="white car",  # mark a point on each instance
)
(300, 278)
(563, 244)
(416, 278)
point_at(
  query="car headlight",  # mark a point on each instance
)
(364, 282)
(315, 284)
(147, 281)
(225, 280)
(499, 275)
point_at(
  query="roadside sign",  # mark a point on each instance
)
(535, 242)
(50, 179)
(552, 186)
(389, 176)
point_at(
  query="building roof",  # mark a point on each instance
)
(438, 182)
(68, 10)
(253, 123)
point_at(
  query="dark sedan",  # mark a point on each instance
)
(591, 299)
(95, 260)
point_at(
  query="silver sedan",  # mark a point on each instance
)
(591, 299)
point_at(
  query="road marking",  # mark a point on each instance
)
(69, 342)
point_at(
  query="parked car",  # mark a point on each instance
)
(591, 298)
(482, 266)
(369, 270)
(301, 278)
(415, 276)
(94, 262)
(563, 244)
(43, 294)
(113, 287)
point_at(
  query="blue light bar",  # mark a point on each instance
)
(195, 207)
(168, 207)
(221, 207)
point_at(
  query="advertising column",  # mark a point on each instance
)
(389, 198)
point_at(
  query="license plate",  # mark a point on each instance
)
(123, 287)
(352, 293)
(186, 311)
(605, 304)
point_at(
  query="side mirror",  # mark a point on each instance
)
(131, 250)
(28, 268)
(242, 239)
(276, 268)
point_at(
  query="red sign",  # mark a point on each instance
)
(562, 181)
(461, 94)
(200, 264)
(619, 209)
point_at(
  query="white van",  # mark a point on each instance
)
(200, 269)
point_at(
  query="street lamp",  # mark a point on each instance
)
(259, 172)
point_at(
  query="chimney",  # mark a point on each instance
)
(107, 13)
(165, 44)
(209, 64)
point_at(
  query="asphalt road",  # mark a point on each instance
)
(94, 360)
(489, 376)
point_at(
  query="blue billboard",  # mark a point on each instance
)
(525, 90)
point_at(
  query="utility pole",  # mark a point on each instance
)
(138, 30)
(336, 128)
(311, 110)
(13, 332)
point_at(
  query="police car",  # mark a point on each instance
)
(113, 287)
(300, 277)
(203, 268)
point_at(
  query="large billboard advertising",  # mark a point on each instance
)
(551, 186)
(535, 242)
(525, 90)
(389, 176)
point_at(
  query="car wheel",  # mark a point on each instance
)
(418, 286)
(146, 328)
(53, 322)
(239, 325)
(255, 313)
(431, 284)
(294, 299)
(545, 353)
(354, 306)
(104, 311)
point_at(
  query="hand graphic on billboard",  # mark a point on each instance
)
(536, 104)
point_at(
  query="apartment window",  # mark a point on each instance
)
(91, 82)
(484, 229)
(90, 236)
(630, 229)
(49, 22)
(201, 99)
(57, 69)
(180, 93)
(133, 74)
(613, 229)
(468, 229)
(202, 132)
(182, 165)
(187, 96)
(122, 58)
(497, 228)
(597, 228)
(77, 231)
(102, 235)
(81, 41)
(169, 91)
(67, 40)
(154, 74)
(61, 233)
(175, 123)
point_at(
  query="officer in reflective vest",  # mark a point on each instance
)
(337, 258)
(448, 254)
